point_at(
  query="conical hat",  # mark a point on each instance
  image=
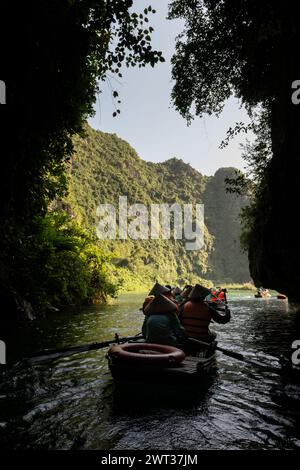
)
(177, 291)
(160, 304)
(158, 289)
(199, 293)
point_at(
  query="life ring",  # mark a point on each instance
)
(146, 354)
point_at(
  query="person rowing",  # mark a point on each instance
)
(196, 314)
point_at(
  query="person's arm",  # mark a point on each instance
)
(219, 317)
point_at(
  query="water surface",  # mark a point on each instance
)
(71, 403)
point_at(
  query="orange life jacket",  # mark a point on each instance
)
(195, 318)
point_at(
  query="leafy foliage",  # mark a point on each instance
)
(56, 55)
(105, 167)
(59, 264)
(229, 47)
(249, 48)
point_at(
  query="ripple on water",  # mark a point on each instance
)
(71, 403)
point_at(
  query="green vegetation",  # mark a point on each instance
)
(61, 52)
(73, 266)
(248, 49)
(235, 286)
(105, 167)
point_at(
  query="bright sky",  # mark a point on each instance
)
(148, 120)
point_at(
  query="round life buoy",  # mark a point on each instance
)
(146, 353)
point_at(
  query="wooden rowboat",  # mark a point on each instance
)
(192, 370)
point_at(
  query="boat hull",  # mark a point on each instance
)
(192, 370)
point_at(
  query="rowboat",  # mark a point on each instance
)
(191, 370)
(263, 295)
(281, 297)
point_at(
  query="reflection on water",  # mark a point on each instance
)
(71, 403)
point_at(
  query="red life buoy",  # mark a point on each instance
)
(146, 353)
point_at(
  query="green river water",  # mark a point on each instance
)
(71, 403)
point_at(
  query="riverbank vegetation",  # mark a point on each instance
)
(104, 167)
(248, 49)
(58, 169)
(62, 51)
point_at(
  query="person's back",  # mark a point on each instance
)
(159, 329)
(195, 319)
(161, 324)
(196, 315)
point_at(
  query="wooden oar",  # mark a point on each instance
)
(42, 356)
(241, 357)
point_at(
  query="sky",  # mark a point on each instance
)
(148, 120)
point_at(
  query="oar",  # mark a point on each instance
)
(241, 357)
(42, 356)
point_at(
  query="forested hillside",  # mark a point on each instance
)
(105, 167)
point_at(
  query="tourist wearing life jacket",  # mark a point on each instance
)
(161, 324)
(213, 295)
(186, 292)
(216, 294)
(196, 315)
(221, 296)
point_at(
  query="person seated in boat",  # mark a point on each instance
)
(169, 294)
(216, 294)
(221, 294)
(186, 292)
(158, 289)
(262, 292)
(176, 292)
(161, 324)
(147, 301)
(196, 314)
(258, 292)
(211, 297)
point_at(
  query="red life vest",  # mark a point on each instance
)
(214, 296)
(195, 318)
(222, 296)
